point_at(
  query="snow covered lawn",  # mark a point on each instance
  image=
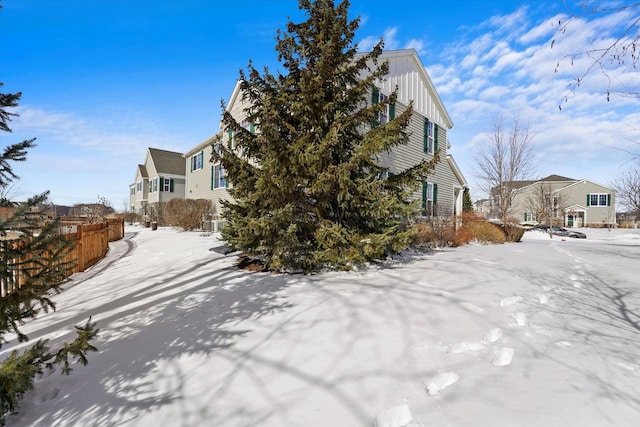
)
(541, 333)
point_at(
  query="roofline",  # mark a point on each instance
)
(457, 171)
(592, 182)
(411, 52)
(540, 181)
(202, 145)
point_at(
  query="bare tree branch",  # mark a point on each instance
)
(507, 159)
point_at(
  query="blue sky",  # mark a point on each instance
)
(104, 80)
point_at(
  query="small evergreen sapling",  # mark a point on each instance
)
(309, 192)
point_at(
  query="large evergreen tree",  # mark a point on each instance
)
(309, 190)
(32, 259)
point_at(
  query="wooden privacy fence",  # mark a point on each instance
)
(91, 243)
(115, 226)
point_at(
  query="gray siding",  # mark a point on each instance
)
(406, 156)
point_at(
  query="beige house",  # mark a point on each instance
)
(568, 202)
(159, 179)
(441, 195)
(204, 179)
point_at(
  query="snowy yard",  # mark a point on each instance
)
(541, 333)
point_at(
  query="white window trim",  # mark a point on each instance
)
(430, 137)
(197, 162)
(598, 197)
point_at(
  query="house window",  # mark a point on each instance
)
(133, 190)
(529, 217)
(151, 186)
(429, 198)
(383, 116)
(388, 113)
(155, 184)
(166, 185)
(598, 199)
(429, 136)
(139, 184)
(218, 179)
(196, 161)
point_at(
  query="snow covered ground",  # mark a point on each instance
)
(540, 333)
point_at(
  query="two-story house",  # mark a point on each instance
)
(204, 179)
(441, 195)
(159, 179)
(569, 202)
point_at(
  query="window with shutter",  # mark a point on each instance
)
(428, 194)
(435, 137)
(428, 136)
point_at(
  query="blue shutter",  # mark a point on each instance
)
(392, 111)
(608, 199)
(213, 172)
(161, 184)
(588, 199)
(171, 185)
(375, 96)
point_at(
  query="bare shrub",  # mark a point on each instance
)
(187, 214)
(484, 232)
(435, 233)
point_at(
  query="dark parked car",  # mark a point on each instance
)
(559, 231)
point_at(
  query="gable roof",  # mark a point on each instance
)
(142, 170)
(204, 144)
(409, 75)
(557, 178)
(169, 162)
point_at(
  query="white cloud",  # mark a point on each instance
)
(418, 45)
(119, 132)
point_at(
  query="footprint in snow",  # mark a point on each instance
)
(502, 356)
(510, 301)
(465, 346)
(576, 281)
(440, 381)
(398, 416)
(521, 319)
(543, 299)
(472, 307)
(493, 335)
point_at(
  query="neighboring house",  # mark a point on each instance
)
(160, 179)
(441, 194)
(204, 179)
(482, 207)
(570, 202)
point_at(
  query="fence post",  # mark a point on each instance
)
(79, 245)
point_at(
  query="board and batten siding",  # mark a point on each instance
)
(403, 75)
